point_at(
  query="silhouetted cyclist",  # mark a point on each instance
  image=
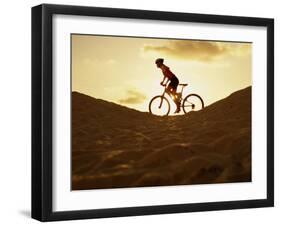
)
(172, 79)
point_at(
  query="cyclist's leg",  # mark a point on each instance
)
(173, 87)
(170, 91)
(176, 99)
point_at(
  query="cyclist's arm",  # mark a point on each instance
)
(163, 81)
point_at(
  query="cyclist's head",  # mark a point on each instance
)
(159, 62)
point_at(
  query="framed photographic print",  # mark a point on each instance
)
(139, 112)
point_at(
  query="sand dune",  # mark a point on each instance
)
(114, 146)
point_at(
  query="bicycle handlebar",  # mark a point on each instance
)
(182, 84)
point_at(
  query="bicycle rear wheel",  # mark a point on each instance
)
(192, 102)
(159, 105)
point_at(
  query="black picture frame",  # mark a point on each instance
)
(42, 106)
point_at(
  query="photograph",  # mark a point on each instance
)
(154, 111)
(142, 112)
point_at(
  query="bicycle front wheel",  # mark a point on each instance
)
(159, 105)
(192, 102)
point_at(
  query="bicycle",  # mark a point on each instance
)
(192, 102)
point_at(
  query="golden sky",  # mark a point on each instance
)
(123, 70)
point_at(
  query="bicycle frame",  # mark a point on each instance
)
(165, 91)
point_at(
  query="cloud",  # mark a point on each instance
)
(199, 50)
(133, 97)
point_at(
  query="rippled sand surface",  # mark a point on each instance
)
(114, 146)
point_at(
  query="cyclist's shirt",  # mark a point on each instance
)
(166, 72)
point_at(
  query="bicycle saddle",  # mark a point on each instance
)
(183, 84)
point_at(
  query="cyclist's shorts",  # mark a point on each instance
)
(174, 82)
